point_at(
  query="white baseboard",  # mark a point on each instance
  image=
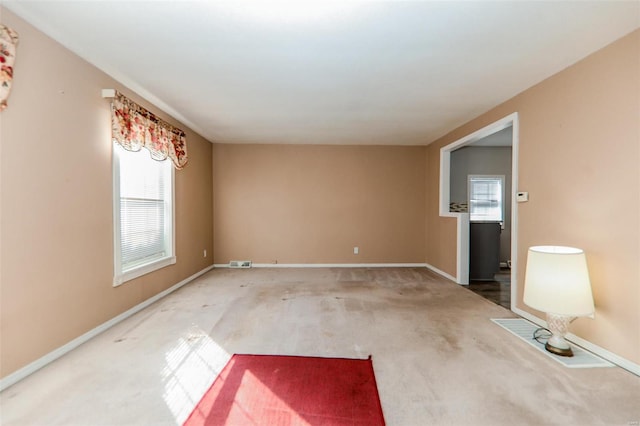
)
(31, 368)
(440, 272)
(630, 366)
(346, 265)
(330, 265)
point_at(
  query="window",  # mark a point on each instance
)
(486, 195)
(143, 214)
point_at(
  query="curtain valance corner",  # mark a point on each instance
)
(134, 127)
(8, 43)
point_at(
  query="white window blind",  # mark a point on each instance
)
(144, 222)
(486, 194)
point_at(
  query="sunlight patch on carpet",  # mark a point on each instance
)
(191, 365)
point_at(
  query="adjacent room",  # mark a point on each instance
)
(384, 195)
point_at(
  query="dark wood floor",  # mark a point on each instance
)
(498, 291)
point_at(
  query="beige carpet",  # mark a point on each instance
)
(438, 358)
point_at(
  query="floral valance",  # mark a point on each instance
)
(134, 128)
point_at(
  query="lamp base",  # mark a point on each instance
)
(559, 351)
(558, 325)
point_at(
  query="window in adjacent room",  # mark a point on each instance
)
(143, 214)
(486, 198)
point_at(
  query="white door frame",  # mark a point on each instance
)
(462, 257)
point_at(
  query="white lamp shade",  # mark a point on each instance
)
(557, 281)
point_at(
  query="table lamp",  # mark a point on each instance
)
(557, 282)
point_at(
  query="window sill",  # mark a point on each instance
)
(141, 270)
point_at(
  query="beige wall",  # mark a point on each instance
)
(441, 232)
(579, 159)
(56, 257)
(313, 204)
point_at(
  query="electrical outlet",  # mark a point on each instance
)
(356, 250)
(205, 254)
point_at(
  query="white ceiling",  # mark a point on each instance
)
(390, 73)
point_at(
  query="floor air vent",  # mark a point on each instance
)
(240, 264)
(524, 330)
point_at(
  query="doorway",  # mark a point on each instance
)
(462, 159)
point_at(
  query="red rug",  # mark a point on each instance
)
(291, 390)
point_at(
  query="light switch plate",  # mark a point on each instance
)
(522, 197)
